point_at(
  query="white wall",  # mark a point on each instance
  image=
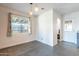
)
(17, 38)
(72, 36)
(47, 23)
(45, 29)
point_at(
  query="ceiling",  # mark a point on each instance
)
(63, 8)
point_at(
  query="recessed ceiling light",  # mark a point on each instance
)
(36, 9)
(30, 3)
(42, 8)
(30, 13)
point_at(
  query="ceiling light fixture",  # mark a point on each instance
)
(30, 13)
(36, 9)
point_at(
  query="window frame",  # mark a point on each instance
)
(67, 25)
(30, 32)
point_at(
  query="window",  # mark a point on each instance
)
(20, 24)
(68, 26)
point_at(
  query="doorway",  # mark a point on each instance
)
(58, 29)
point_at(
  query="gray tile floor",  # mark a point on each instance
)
(36, 48)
